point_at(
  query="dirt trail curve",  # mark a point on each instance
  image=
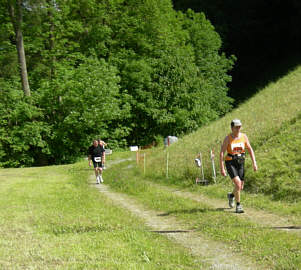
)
(217, 255)
(257, 216)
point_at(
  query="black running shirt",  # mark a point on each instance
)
(96, 151)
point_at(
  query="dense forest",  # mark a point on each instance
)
(128, 72)
(264, 35)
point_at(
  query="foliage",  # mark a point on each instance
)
(128, 72)
(173, 91)
(23, 133)
(84, 102)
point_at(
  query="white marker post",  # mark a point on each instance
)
(213, 165)
(135, 148)
(167, 157)
(202, 169)
(199, 163)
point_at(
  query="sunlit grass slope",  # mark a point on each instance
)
(280, 159)
(271, 119)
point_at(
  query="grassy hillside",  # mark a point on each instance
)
(271, 119)
(280, 173)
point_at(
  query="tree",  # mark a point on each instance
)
(125, 71)
(89, 107)
(170, 66)
(16, 16)
(24, 133)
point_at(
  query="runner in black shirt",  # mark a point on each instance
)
(96, 154)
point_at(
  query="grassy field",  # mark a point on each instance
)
(51, 218)
(273, 248)
(272, 121)
(54, 218)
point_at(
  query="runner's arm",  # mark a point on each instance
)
(103, 158)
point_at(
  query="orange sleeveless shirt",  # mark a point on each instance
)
(236, 146)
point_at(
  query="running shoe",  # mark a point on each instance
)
(97, 180)
(231, 200)
(239, 209)
(100, 178)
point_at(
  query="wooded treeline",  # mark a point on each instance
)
(128, 72)
(264, 35)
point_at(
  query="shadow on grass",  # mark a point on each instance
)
(174, 231)
(206, 210)
(77, 229)
(287, 228)
(193, 211)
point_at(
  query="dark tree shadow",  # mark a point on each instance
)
(265, 37)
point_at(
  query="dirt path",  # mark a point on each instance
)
(260, 217)
(216, 254)
(263, 218)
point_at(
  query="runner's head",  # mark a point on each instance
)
(95, 143)
(235, 126)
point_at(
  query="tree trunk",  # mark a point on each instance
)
(15, 13)
(52, 44)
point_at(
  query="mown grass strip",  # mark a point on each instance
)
(51, 218)
(276, 249)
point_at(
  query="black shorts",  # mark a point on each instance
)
(235, 169)
(97, 164)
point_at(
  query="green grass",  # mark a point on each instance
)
(271, 119)
(280, 175)
(51, 218)
(276, 187)
(273, 248)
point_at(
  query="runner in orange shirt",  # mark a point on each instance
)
(235, 144)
